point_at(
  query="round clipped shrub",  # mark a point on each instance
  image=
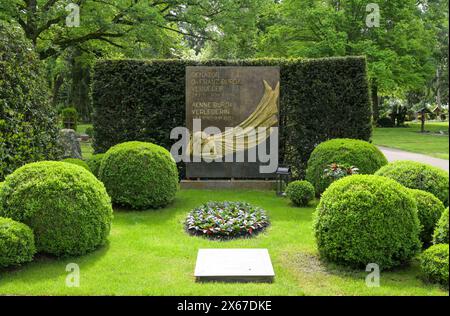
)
(94, 163)
(139, 175)
(77, 162)
(225, 220)
(360, 154)
(16, 243)
(434, 264)
(441, 232)
(416, 175)
(366, 219)
(300, 192)
(429, 209)
(67, 208)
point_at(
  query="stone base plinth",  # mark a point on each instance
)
(228, 184)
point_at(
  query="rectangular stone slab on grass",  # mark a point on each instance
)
(234, 265)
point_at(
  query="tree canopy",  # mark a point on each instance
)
(405, 41)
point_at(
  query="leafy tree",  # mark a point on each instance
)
(398, 50)
(117, 28)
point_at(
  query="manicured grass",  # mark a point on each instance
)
(149, 253)
(410, 139)
(81, 128)
(86, 147)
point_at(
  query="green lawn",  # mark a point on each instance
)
(86, 147)
(409, 139)
(149, 253)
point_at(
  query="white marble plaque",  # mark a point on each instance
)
(234, 265)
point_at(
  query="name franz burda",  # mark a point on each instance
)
(201, 307)
(231, 145)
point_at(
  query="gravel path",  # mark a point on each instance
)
(397, 154)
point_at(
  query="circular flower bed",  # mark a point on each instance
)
(225, 220)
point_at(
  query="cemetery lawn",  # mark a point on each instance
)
(410, 139)
(149, 253)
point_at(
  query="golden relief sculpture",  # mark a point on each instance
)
(262, 119)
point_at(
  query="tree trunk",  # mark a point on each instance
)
(422, 119)
(56, 87)
(79, 95)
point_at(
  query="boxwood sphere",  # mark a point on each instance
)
(139, 175)
(416, 175)
(434, 264)
(16, 243)
(300, 192)
(360, 154)
(67, 208)
(94, 163)
(429, 209)
(441, 232)
(77, 162)
(365, 219)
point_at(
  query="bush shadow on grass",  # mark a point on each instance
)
(308, 266)
(45, 264)
(309, 262)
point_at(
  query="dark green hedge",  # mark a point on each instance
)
(28, 124)
(320, 99)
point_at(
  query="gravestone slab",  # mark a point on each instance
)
(234, 265)
(231, 97)
(70, 144)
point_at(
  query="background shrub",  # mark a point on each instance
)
(224, 220)
(300, 192)
(434, 264)
(416, 175)
(77, 162)
(441, 232)
(94, 163)
(365, 219)
(90, 131)
(28, 124)
(16, 243)
(69, 117)
(430, 209)
(320, 99)
(139, 175)
(360, 154)
(385, 122)
(67, 208)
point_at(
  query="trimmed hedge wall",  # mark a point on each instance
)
(320, 99)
